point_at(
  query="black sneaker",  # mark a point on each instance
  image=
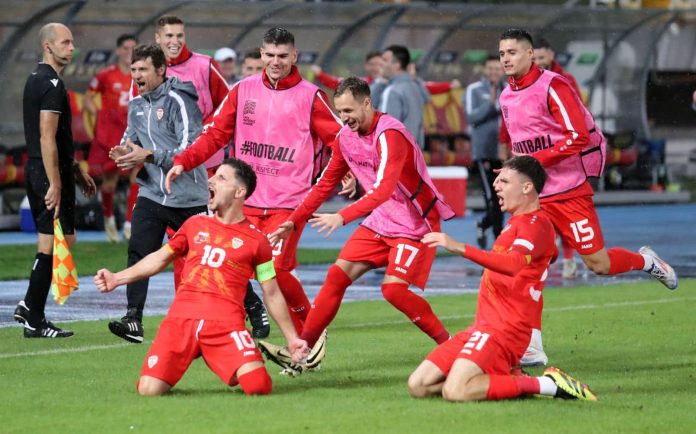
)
(481, 239)
(45, 330)
(21, 312)
(258, 317)
(129, 328)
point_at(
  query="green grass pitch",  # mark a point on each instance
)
(634, 344)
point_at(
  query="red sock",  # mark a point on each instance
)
(295, 297)
(622, 261)
(256, 382)
(506, 387)
(132, 196)
(107, 203)
(326, 304)
(417, 309)
(568, 251)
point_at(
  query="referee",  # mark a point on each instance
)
(51, 173)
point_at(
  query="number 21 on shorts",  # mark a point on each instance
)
(581, 231)
(475, 342)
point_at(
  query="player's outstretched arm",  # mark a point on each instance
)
(326, 222)
(274, 301)
(441, 239)
(150, 265)
(173, 173)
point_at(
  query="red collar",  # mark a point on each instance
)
(286, 82)
(526, 80)
(373, 125)
(183, 57)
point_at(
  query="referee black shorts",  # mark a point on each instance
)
(37, 187)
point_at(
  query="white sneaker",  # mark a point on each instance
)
(110, 229)
(535, 355)
(660, 269)
(127, 230)
(570, 269)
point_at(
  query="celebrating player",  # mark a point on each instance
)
(402, 203)
(544, 117)
(206, 318)
(475, 364)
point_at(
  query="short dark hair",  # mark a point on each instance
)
(401, 54)
(530, 167)
(126, 37)
(153, 51)
(244, 173)
(356, 86)
(492, 58)
(542, 43)
(518, 34)
(372, 54)
(278, 36)
(165, 20)
(252, 53)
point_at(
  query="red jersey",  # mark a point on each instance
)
(564, 108)
(397, 165)
(556, 67)
(113, 85)
(219, 260)
(509, 300)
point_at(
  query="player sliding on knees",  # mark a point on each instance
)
(402, 203)
(476, 363)
(206, 318)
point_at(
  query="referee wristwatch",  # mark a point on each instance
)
(150, 157)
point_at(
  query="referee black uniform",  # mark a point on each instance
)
(45, 91)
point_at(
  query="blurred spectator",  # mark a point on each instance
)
(107, 99)
(693, 101)
(403, 97)
(227, 60)
(252, 63)
(373, 69)
(483, 113)
(546, 58)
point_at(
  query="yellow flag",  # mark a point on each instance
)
(64, 271)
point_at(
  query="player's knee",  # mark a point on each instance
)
(256, 382)
(598, 266)
(148, 387)
(416, 387)
(392, 292)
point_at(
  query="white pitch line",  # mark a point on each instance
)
(376, 324)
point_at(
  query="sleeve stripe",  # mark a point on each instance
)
(469, 96)
(329, 109)
(383, 158)
(384, 99)
(564, 112)
(52, 111)
(219, 74)
(184, 120)
(524, 243)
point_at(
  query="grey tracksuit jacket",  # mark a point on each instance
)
(166, 121)
(483, 116)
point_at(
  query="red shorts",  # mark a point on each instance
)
(285, 252)
(99, 161)
(404, 258)
(225, 347)
(576, 221)
(479, 347)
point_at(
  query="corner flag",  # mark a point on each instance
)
(64, 271)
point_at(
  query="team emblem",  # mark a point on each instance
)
(152, 361)
(202, 237)
(160, 113)
(237, 243)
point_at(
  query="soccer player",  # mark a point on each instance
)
(544, 117)
(278, 123)
(475, 364)
(211, 87)
(402, 203)
(51, 172)
(112, 85)
(206, 318)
